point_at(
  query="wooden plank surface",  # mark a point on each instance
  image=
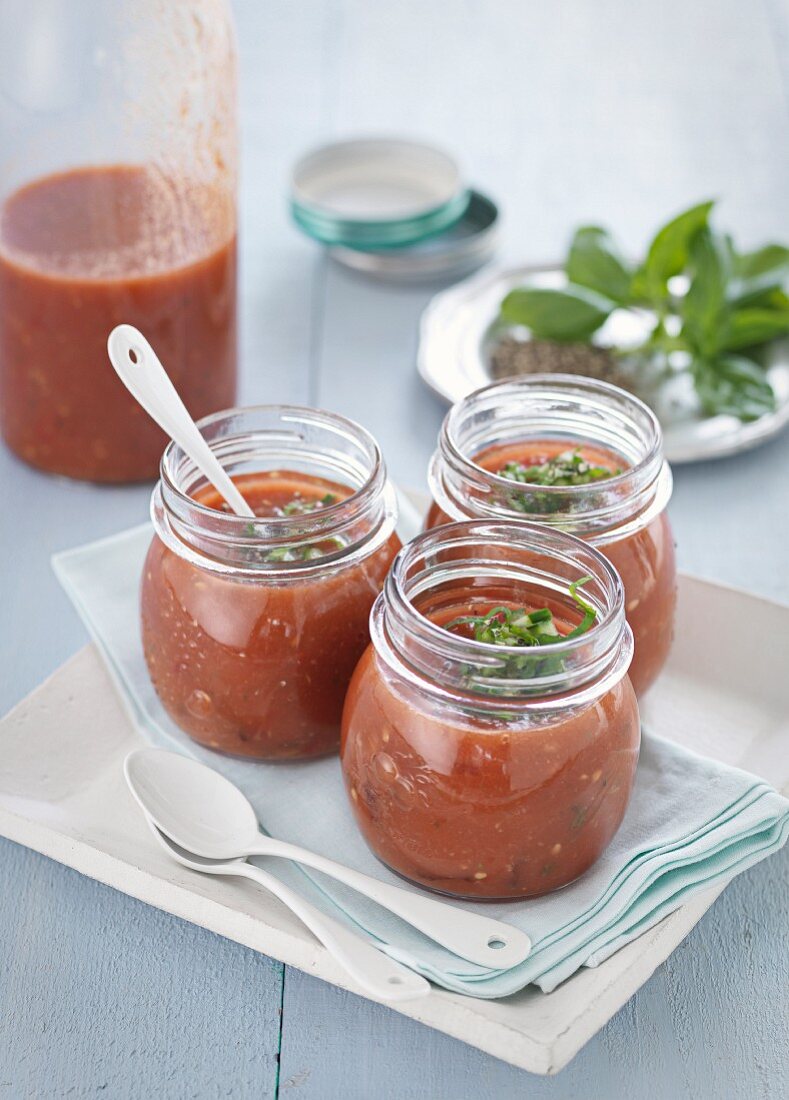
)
(617, 111)
(682, 1035)
(102, 995)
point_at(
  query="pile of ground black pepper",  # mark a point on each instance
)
(512, 357)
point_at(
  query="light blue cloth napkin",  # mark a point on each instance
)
(692, 823)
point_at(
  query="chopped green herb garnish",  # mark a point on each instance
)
(298, 507)
(567, 468)
(282, 553)
(590, 614)
(578, 817)
(505, 626)
(305, 552)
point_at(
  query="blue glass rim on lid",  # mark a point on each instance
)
(376, 193)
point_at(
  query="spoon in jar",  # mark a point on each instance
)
(377, 973)
(138, 367)
(204, 813)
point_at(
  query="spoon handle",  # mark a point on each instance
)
(138, 367)
(379, 975)
(479, 939)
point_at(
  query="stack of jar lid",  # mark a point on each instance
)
(393, 208)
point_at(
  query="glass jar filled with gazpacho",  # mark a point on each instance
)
(251, 629)
(579, 456)
(117, 204)
(490, 733)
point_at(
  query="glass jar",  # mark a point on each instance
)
(251, 629)
(117, 204)
(534, 419)
(481, 770)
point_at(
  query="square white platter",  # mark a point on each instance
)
(724, 693)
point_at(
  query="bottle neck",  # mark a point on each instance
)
(445, 569)
(266, 439)
(577, 412)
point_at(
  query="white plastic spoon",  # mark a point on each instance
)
(138, 367)
(206, 814)
(375, 972)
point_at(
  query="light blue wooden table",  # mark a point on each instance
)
(616, 111)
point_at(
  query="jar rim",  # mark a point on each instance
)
(598, 510)
(297, 413)
(253, 434)
(425, 651)
(566, 382)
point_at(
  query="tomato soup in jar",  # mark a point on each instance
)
(81, 252)
(490, 733)
(251, 629)
(580, 456)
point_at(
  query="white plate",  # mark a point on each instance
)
(724, 693)
(458, 329)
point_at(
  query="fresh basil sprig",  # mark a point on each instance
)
(571, 315)
(668, 253)
(595, 262)
(734, 305)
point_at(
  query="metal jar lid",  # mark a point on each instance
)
(376, 193)
(456, 252)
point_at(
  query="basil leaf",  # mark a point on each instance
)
(770, 258)
(760, 277)
(746, 328)
(704, 307)
(734, 385)
(761, 292)
(594, 262)
(668, 252)
(568, 315)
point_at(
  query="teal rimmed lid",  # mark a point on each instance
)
(376, 193)
(456, 252)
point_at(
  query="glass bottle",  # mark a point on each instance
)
(118, 153)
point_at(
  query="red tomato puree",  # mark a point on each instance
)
(482, 806)
(645, 560)
(260, 667)
(81, 252)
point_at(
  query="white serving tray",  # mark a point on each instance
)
(724, 693)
